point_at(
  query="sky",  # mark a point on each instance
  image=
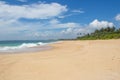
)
(55, 19)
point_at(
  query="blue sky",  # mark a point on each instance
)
(54, 19)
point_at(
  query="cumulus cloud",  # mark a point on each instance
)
(117, 18)
(53, 29)
(100, 24)
(95, 24)
(32, 11)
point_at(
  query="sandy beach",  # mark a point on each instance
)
(67, 60)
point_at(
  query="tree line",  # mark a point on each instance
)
(103, 33)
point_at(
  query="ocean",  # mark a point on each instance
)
(24, 45)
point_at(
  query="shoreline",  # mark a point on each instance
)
(27, 50)
(67, 60)
(41, 48)
(37, 48)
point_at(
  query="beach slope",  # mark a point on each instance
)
(68, 60)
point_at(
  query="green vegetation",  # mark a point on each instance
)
(104, 33)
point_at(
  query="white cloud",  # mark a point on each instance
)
(100, 24)
(33, 11)
(78, 11)
(95, 24)
(67, 25)
(37, 30)
(71, 14)
(63, 16)
(117, 17)
(47, 29)
(54, 23)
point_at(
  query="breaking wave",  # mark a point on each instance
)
(24, 45)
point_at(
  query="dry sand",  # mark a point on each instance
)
(68, 60)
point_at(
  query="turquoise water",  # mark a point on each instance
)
(22, 44)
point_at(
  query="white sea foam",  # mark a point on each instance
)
(24, 45)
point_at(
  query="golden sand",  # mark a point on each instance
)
(68, 60)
